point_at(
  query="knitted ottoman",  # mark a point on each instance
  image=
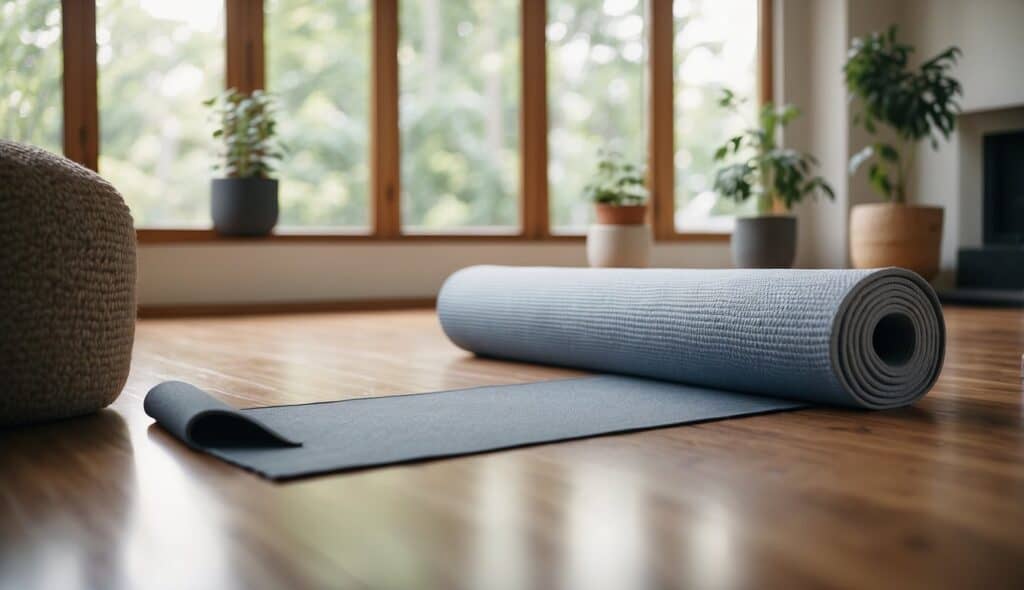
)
(67, 287)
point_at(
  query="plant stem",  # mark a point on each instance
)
(764, 203)
(767, 196)
(911, 151)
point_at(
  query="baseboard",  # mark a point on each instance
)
(185, 310)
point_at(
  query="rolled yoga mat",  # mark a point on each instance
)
(686, 345)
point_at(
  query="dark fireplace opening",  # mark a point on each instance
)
(1003, 155)
(998, 265)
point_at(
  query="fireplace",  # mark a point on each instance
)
(1004, 188)
(999, 262)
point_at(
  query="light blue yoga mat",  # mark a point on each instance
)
(684, 345)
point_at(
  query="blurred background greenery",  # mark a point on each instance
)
(30, 83)
(459, 103)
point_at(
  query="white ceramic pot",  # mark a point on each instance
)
(623, 246)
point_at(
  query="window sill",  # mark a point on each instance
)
(169, 236)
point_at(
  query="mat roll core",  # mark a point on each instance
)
(865, 338)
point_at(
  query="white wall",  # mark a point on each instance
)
(815, 36)
(809, 58)
(276, 272)
(991, 35)
(992, 73)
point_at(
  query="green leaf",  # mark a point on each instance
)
(887, 152)
(916, 103)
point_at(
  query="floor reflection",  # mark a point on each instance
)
(710, 548)
(56, 527)
(500, 557)
(174, 532)
(605, 535)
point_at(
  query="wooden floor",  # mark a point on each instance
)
(929, 496)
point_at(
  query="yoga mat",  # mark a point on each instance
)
(863, 338)
(366, 432)
(687, 345)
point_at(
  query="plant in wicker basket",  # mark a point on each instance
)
(902, 106)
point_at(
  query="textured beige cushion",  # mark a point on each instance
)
(67, 287)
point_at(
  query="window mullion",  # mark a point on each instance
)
(81, 106)
(384, 135)
(765, 52)
(661, 118)
(533, 124)
(244, 43)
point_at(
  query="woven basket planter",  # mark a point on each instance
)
(67, 292)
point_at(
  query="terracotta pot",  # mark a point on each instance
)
(615, 215)
(888, 234)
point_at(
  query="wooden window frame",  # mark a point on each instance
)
(246, 71)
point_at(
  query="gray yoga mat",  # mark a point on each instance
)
(687, 345)
(367, 432)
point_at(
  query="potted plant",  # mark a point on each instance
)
(621, 236)
(913, 104)
(775, 176)
(244, 202)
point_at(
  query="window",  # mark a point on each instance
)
(459, 114)
(596, 56)
(30, 82)
(714, 47)
(401, 118)
(157, 62)
(318, 67)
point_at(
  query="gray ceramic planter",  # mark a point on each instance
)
(243, 206)
(764, 242)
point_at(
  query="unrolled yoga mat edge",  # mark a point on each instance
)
(369, 432)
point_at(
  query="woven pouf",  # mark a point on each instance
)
(67, 287)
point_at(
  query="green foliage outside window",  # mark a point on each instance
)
(157, 61)
(30, 82)
(459, 73)
(318, 68)
(715, 47)
(596, 97)
(459, 141)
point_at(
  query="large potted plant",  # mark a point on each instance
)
(244, 202)
(621, 236)
(914, 104)
(775, 176)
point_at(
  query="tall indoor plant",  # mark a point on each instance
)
(621, 236)
(244, 202)
(913, 104)
(777, 177)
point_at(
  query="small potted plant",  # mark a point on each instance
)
(244, 202)
(914, 104)
(621, 236)
(777, 177)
